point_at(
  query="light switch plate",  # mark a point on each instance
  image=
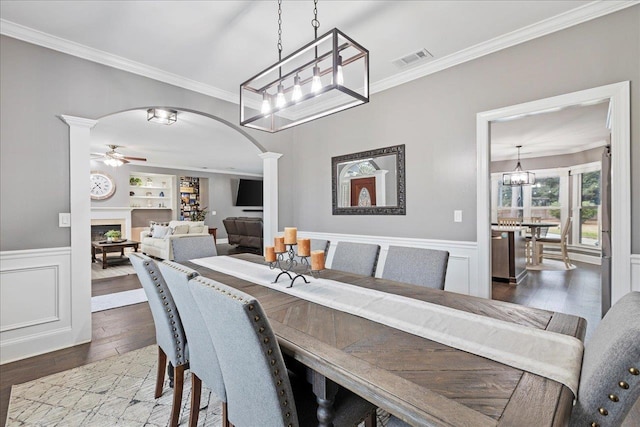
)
(64, 220)
(457, 216)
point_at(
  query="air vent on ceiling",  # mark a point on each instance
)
(413, 58)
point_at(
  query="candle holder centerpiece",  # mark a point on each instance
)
(282, 256)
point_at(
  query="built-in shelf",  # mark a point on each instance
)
(148, 190)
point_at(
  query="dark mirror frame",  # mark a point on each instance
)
(398, 209)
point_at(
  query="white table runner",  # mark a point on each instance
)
(549, 354)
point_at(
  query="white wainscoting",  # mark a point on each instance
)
(36, 303)
(463, 259)
(635, 272)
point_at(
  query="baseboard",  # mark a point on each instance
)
(635, 272)
(225, 240)
(461, 274)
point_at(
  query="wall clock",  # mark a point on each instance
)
(102, 186)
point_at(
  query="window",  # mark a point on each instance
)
(589, 207)
(545, 202)
(509, 201)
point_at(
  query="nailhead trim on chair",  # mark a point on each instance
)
(260, 328)
(614, 397)
(171, 316)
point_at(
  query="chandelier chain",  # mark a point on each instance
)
(314, 22)
(280, 30)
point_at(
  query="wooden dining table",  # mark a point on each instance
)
(420, 381)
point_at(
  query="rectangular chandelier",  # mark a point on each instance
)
(328, 75)
(518, 178)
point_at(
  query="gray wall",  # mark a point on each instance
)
(436, 118)
(38, 85)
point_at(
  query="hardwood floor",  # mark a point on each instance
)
(573, 292)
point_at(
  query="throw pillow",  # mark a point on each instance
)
(180, 229)
(196, 227)
(160, 231)
(152, 225)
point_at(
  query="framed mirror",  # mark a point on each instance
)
(369, 183)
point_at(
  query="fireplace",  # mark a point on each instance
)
(105, 219)
(97, 231)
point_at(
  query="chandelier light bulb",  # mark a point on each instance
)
(266, 104)
(316, 84)
(340, 79)
(297, 90)
(280, 100)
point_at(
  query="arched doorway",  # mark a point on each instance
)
(80, 208)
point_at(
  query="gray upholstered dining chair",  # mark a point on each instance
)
(186, 248)
(416, 266)
(356, 258)
(259, 390)
(610, 377)
(172, 342)
(203, 361)
(610, 380)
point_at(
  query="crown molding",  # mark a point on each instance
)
(565, 20)
(568, 19)
(40, 38)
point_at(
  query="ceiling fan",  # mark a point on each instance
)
(113, 158)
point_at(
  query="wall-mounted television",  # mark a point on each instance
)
(249, 193)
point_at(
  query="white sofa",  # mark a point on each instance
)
(156, 240)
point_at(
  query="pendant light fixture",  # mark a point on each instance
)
(518, 177)
(329, 74)
(162, 116)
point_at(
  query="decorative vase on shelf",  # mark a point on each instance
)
(161, 194)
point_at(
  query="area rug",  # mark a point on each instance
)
(550, 265)
(118, 299)
(115, 391)
(97, 272)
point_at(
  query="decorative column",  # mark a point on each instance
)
(80, 203)
(270, 195)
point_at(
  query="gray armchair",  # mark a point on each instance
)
(258, 387)
(416, 266)
(172, 342)
(203, 361)
(610, 380)
(356, 258)
(194, 247)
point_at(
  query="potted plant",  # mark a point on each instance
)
(199, 215)
(112, 235)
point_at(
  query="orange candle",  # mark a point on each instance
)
(317, 260)
(290, 235)
(270, 254)
(304, 247)
(279, 244)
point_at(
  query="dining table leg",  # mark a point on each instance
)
(325, 391)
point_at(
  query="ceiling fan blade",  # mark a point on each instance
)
(140, 159)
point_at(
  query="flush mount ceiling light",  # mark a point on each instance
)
(518, 177)
(162, 116)
(328, 75)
